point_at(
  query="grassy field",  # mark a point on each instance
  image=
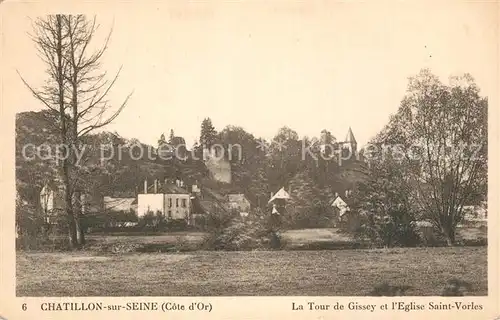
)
(421, 271)
(302, 239)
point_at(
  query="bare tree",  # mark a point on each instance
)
(50, 41)
(89, 90)
(76, 90)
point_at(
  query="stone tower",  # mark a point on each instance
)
(350, 142)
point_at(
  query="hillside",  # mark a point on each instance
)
(122, 174)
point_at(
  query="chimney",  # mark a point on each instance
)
(336, 194)
(166, 181)
(145, 185)
(156, 186)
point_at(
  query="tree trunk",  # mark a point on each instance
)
(80, 235)
(77, 205)
(64, 131)
(450, 237)
(70, 217)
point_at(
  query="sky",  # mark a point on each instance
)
(308, 65)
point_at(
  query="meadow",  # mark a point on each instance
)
(349, 272)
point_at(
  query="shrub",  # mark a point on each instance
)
(256, 231)
(388, 231)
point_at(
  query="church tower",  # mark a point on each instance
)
(350, 142)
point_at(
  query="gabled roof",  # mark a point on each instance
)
(350, 137)
(168, 188)
(281, 194)
(338, 201)
(340, 204)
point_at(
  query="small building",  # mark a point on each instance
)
(344, 217)
(52, 202)
(340, 205)
(207, 201)
(119, 211)
(168, 199)
(475, 213)
(120, 204)
(278, 200)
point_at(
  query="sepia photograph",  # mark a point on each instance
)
(280, 148)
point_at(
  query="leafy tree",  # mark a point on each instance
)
(284, 156)
(383, 201)
(304, 207)
(440, 132)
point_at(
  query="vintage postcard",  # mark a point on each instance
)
(249, 159)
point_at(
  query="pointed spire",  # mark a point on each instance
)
(350, 136)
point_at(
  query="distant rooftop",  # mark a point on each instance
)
(168, 188)
(281, 194)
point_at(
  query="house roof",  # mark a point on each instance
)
(281, 194)
(118, 204)
(338, 201)
(123, 194)
(207, 206)
(168, 188)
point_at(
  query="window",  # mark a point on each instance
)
(177, 202)
(184, 204)
(169, 214)
(170, 202)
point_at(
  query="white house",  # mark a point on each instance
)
(170, 200)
